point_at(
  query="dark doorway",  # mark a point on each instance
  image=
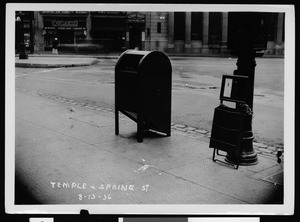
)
(66, 36)
(135, 38)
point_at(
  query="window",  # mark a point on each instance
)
(158, 27)
(66, 36)
(215, 28)
(179, 26)
(196, 26)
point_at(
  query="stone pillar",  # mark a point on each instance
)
(88, 27)
(205, 48)
(279, 47)
(127, 40)
(188, 20)
(38, 32)
(171, 31)
(224, 32)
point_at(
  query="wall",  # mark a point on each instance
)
(154, 40)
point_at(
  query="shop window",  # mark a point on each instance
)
(81, 23)
(80, 37)
(48, 40)
(179, 26)
(47, 23)
(66, 36)
(196, 26)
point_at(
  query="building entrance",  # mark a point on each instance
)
(135, 38)
(136, 25)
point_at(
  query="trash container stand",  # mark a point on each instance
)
(140, 129)
(228, 123)
(116, 121)
(238, 144)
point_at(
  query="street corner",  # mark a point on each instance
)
(53, 62)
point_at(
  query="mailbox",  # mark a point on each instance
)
(228, 129)
(143, 84)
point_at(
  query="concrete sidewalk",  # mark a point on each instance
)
(47, 60)
(67, 153)
(54, 61)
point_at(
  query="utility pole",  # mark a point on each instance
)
(246, 67)
(20, 31)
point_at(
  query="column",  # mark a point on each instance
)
(205, 32)
(188, 19)
(224, 32)
(38, 30)
(279, 47)
(88, 27)
(171, 31)
(148, 30)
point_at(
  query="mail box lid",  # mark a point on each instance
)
(135, 60)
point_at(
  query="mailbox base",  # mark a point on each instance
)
(142, 125)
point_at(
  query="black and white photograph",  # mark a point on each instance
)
(141, 109)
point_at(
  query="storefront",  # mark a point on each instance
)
(69, 27)
(117, 31)
(108, 30)
(172, 32)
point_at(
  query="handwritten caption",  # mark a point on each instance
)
(108, 188)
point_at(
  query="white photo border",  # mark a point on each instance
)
(289, 120)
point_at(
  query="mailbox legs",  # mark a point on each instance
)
(116, 121)
(169, 132)
(140, 129)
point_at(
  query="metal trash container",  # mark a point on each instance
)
(228, 129)
(143, 84)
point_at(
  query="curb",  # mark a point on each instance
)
(37, 65)
(171, 55)
(180, 128)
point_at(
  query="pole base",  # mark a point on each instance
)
(245, 159)
(23, 55)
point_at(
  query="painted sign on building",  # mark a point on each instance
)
(57, 23)
(136, 18)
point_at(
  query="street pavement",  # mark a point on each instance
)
(66, 152)
(267, 124)
(61, 142)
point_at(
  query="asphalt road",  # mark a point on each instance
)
(196, 86)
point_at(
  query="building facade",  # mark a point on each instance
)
(24, 30)
(171, 32)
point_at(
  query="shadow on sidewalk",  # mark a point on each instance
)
(22, 193)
